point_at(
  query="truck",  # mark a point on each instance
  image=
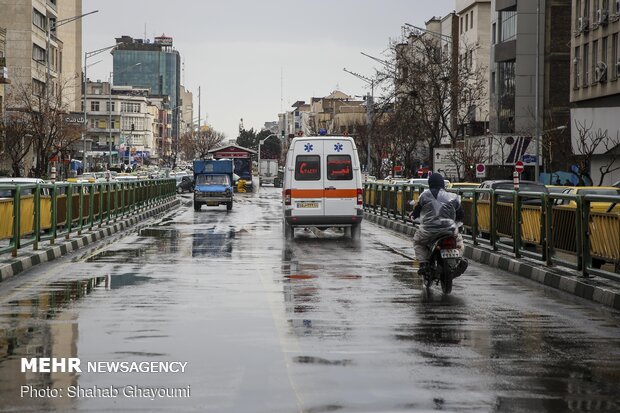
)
(243, 168)
(268, 173)
(213, 180)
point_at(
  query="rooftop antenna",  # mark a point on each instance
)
(145, 32)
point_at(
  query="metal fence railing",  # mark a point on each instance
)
(43, 212)
(546, 227)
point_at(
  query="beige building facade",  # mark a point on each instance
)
(595, 80)
(71, 56)
(27, 23)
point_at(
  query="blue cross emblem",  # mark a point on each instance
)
(308, 147)
(338, 147)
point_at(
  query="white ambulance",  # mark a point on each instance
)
(322, 185)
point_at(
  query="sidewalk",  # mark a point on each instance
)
(27, 258)
(597, 289)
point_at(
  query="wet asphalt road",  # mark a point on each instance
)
(321, 324)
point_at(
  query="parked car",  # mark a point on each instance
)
(9, 193)
(524, 186)
(424, 181)
(465, 185)
(617, 184)
(593, 190)
(186, 184)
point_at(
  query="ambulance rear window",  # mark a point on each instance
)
(307, 168)
(339, 168)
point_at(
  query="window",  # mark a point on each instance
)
(604, 51)
(130, 107)
(506, 96)
(461, 25)
(38, 53)
(614, 56)
(494, 34)
(308, 168)
(586, 8)
(507, 26)
(339, 168)
(586, 64)
(594, 60)
(38, 87)
(471, 20)
(492, 82)
(108, 108)
(577, 74)
(94, 106)
(38, 19)
(466, 21)
(577, 14)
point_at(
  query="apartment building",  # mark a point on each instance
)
(595, 80)
(528, 41)
(474, 42)
(118, 119)
(71, 56)
(27, 23)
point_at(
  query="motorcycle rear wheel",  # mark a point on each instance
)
(446, 284)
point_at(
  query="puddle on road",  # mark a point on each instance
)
(321, 361)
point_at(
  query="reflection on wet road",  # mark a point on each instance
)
(321, 324)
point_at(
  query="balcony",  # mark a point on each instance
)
(52, 4)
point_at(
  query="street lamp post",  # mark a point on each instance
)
(260, 143)
(88, 55)
(48, 35)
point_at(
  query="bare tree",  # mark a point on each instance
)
(197, 145)
(17, 141)
(434, 95)
(591, 142)
(473, 151)
(43, 112)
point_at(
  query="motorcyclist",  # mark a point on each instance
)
(438, 211)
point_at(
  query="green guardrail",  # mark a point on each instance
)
(32, 213)
(551, 228)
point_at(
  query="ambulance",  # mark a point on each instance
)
(322, 185)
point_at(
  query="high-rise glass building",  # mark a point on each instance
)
(159, 69)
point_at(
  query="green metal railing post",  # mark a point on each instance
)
(91, 205)
(548, 246)
(16, 221)
(580, 236)
(101, 204)
(37, 217)
(474, 218)
(516, 224)
(81, 208)
(493, 220)
(585, 223)
(69, 209)
(54, 214)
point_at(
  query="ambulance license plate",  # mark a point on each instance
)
(450, 254)
(307, 204)
(213, 203)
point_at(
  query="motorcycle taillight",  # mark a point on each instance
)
(448, 243)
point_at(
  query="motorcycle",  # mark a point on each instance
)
(445, 263)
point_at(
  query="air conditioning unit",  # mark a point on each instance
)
(600, 72)
(584, 24)
(602, 16)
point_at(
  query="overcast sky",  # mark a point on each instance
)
(247, 54)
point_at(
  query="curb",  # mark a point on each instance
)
(557, 277)
(13, 266)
